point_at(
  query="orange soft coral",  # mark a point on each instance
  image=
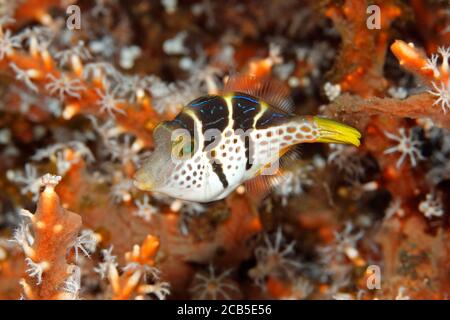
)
(140, 277)
(359, 66)
(40, 73)
(54, 231)
(417, 106)
(415, 61)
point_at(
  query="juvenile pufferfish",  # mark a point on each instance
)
(199, 166)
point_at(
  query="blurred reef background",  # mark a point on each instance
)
(83, 84)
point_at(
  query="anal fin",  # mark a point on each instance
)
(260, 186)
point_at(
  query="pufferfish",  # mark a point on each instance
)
(219, 142)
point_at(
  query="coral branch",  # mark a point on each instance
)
(40, 73)
(140, 278)
(356, 110)
(359, 65)
(48, 239)
(415, 61)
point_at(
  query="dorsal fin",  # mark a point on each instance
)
(271, 91)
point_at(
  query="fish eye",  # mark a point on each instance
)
(183, 147)
(187, 150)
(177, 141)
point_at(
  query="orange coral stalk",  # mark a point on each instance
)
(359, 66)
(418, 106)
(55, 230)
(415, 61)
(145, 253)
(411, 59)
(133, 283)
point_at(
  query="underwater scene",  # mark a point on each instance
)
(224, 150)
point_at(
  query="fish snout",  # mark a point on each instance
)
(142, 180)
(152, 176)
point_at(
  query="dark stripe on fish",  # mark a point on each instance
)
(213, 113)
(218, 170)
(185, 121)
(245, 108)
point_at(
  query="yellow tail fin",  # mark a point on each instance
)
(331, 131)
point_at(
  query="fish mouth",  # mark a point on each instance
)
(142, 185)
(153, 175)
(158, 167)
(331, 131)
